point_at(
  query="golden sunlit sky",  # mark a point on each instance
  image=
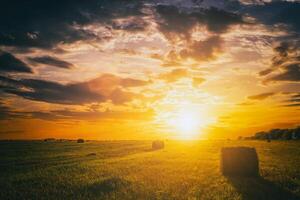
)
(116, 69)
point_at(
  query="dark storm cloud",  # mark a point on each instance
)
(286, 52)
(290, 72)
(9, 63)
(173, 20)
(5, 112)
(101, 89)
(52, 92)
(284, 14)
(51, 61)
(285, 63)
(45, 24)
(6, 82)
(178, 22)
(276, 12)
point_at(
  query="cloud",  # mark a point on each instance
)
(291, 72)
(179, 22)
(52, 92)
(51, 61)
(285, 63)
(246, 104)
(56, 115)
(174, 75)
(199, 51)
(108, 83)
(47, 24)
(265, 72)
(9, 63)
(219, 21)
(283, 14)
(293, 105)
(5, 112)
(130, 82)
(261, 96)
(108, 114)
(293, 100)
(275, 13)
(296, 95)
(119, 96)
(173, 21)
(203, 50)
(130, 24)
(104, 88)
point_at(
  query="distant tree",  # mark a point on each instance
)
(287, 134)
(261, 135)
(277, 134)
(297, 133)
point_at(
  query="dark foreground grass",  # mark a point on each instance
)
(131, 170)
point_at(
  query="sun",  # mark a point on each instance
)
(187, 122)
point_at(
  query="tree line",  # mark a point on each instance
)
(276, 134)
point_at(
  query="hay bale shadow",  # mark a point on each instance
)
(259, 188)
(108, 186)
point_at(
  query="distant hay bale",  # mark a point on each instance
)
(49, 139)
(158, 144)
(80, 141)
(239, 161)
(91, 154)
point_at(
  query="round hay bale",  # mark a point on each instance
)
(80, 140)
(239, 161)
(158, 144)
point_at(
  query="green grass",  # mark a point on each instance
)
(130, 170)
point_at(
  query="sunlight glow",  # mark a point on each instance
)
(188, 122)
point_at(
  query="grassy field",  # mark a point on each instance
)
(130, 170)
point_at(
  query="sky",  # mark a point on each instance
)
(146, 69)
